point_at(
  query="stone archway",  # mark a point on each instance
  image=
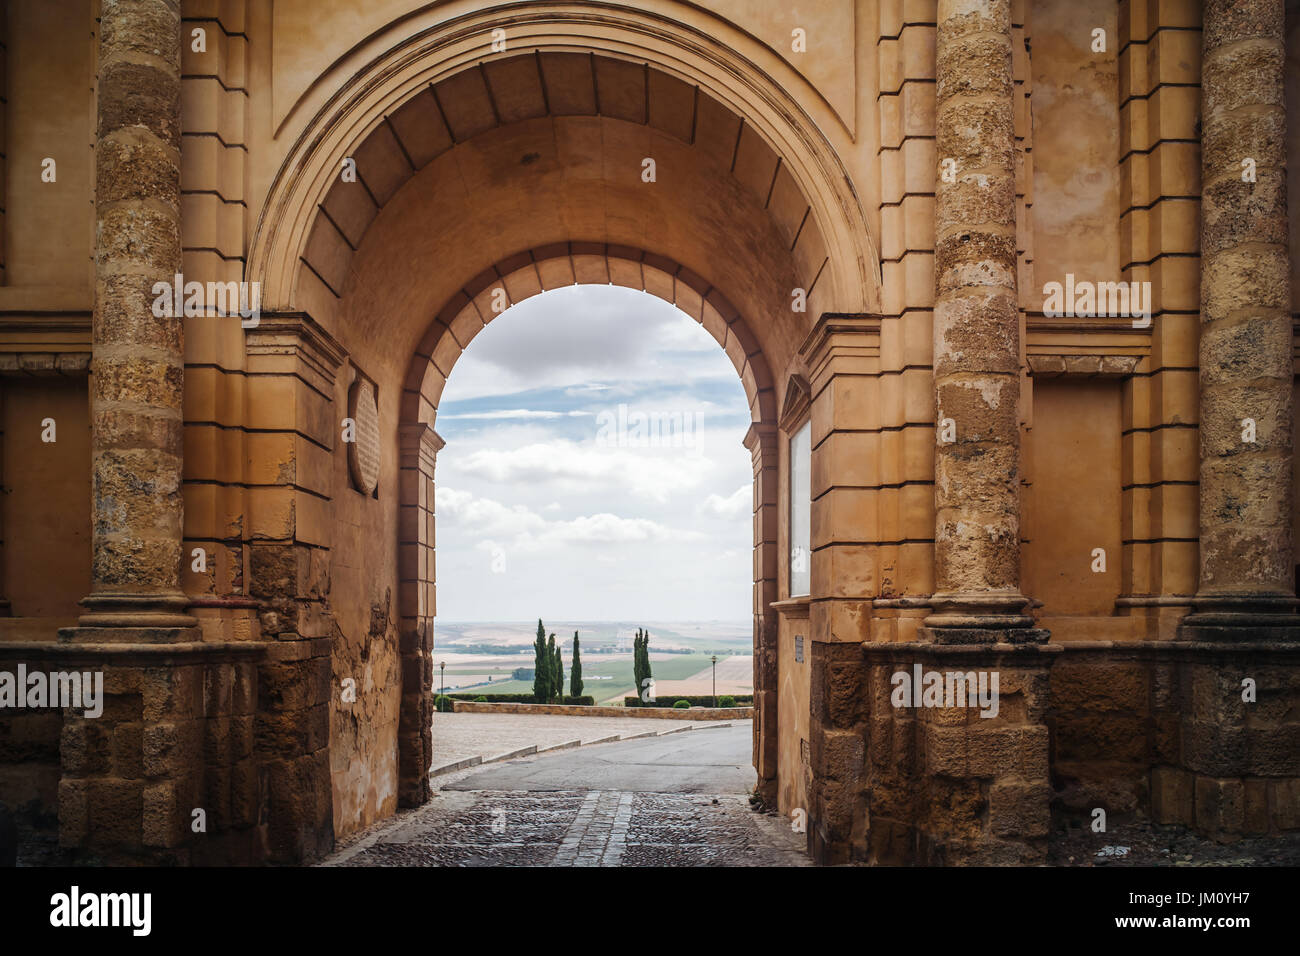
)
(514, 279)
(463, 157)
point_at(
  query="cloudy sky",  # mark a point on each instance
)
(594, 468)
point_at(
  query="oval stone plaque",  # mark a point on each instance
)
(363, 454)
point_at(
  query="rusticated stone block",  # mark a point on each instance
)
(1284, 798)
(242, 730)
(1274, 751)
(164, 819)
(125, 750)
(843, 754)
(846, 703)
(1020, 810)
(170, 693)
(244, 691)
(1220, 807)
(956, 809)
(1214, 749)
(993, 752)
(1093, 686)
(74, 811)
(218, 690)
(82, 748)
(1172, 796)
(245, 794)
(116, 810)
(1256, 810)
(217, 750)
(173, 748)
(293, 685)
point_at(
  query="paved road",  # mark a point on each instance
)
(680, 800)
(709, 760)
(457, 736)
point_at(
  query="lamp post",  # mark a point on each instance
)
(714, 659)
(443, 667)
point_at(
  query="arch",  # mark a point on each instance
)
(454, 60)
(468, 312)
(392, 264)
(556, 265)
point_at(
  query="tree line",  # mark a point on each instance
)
(548, 666)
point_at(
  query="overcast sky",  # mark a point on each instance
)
(553, 503)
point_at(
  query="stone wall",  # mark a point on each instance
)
(577, 710)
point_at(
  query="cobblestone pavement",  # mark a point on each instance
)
(576, 828)
(633, 803)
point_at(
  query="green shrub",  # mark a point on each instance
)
(696, 700)
(582, 701)
(682, 705)
(726, 700)
(480, 699)
(442, 703)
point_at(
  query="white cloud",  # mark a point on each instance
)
(654, 474)
(536, 518)
(504, 414)
(529, 532)
(735, 505)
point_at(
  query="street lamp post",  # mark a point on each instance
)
(443, 667)
(714, 658)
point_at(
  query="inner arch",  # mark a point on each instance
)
(553, 266)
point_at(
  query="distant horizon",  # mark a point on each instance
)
(603, 620)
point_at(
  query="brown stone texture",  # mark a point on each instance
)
(825, 172)
(1247, 555)
(136, 385)
(976, 322)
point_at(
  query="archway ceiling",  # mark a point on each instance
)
(548, 147)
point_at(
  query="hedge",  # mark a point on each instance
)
(584, 701)
(698, 700)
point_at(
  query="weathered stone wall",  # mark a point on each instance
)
(783, 170)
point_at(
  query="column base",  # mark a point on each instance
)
(137, 611)
(981, 634)
(83, 634)
(1242, 617)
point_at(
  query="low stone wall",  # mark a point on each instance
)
(574, 710)
(1201, 734)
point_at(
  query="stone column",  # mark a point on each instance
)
(761, 440)
(419, 447)
(136, 380)
(976, 333)
(1247, 560)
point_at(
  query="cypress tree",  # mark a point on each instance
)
(636, 661)
(541, 666)
(553, 675)
(575, 669)
(645, 654)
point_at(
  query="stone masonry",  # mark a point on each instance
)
(1023, 274)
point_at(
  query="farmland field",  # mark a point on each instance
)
(475, 652)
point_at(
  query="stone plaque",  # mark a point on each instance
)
(798, 648)
(363, 454)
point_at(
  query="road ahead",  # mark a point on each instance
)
(711, 760)
(679, 800)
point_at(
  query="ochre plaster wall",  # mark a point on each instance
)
(46, 500)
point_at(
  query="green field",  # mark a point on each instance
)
(674, 667)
